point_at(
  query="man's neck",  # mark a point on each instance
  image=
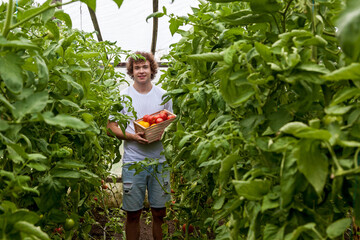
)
(143, 88)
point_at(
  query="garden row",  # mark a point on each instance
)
(57, 91)
(267, 136)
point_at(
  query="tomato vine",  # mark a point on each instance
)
(266, 142)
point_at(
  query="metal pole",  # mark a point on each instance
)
(155, 27)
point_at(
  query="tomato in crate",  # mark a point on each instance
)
(154, 125)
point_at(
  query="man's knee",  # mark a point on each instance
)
(133, 216)
(158, 212)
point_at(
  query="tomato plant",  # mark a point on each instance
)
(57, 92)
(266, 141)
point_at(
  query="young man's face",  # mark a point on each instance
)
(142, 72)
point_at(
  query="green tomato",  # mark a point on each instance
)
(69, 224)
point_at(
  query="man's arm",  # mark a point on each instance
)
(114, 127)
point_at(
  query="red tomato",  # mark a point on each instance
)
(191, 228)
(156, 116)
(164, 112)
(159, 120)
(146, 118)
(171, 116)
(151, 119)
(163, 115)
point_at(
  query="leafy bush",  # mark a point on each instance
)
(57, 91)
(266, 143)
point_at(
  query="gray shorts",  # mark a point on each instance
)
(134, 187)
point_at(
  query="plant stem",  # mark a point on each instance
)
(313, 19)
(284, 15)
(9, 14)
(356, 158)
(353, 171)
(333, 155)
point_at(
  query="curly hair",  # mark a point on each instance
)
(148, 56)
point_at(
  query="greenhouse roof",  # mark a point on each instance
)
(127, 25)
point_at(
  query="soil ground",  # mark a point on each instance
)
(98, 232)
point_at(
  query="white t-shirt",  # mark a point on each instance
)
(144, 104)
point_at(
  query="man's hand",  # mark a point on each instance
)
(139, 137)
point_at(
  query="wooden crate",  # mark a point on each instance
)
(153, 133)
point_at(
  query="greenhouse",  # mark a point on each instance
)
(180, 119)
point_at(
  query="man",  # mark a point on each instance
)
(146, 99)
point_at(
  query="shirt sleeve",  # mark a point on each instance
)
(168, 106)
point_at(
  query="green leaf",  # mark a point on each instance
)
(301, 130)
(53, 28)
(63, 120)
(208, 57)
(296, 233)
(279, 119)
(312, 67)
(154, 15)
(184, 140)
(118, 2)
(265, 6)
(31, 230)
(38, 166)
(338, 227)
(200, 97)
(351, 72)
(69, 103)
(349, 30)
(23, 43)
(224, 1)
(264, 51)
(69, 164)
(91, 4)
(225, 168)
(344, 94)
(252, 190)
(33, 11)
(251, 19)
(272, 232)
(337, 110)
(312, 163)
(24, 215)
(289, 179)
(3, 125)
(43, 73)
(6, 102)
(47, 15)
(32, 104)
(65, 173)
(10, 72)
(38, 162)
(174, 25)
(60, 14)
(236, 92)
(76, 85)
(86, 55)
(219, 202)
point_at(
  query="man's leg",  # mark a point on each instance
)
(132, 226)
(158, 215)
(134, 187)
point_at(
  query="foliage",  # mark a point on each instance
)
(267, 138)
(57, 91)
